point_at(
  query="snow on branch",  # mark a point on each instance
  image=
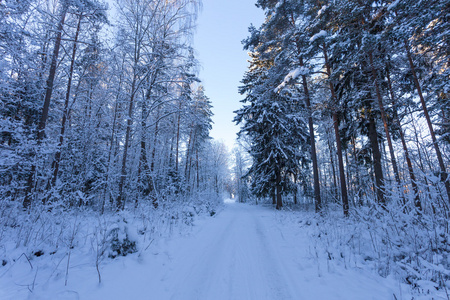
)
(292, 75)
(393, 5)
(322, 10)
(320, 34)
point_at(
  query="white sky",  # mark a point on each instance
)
(222, 25)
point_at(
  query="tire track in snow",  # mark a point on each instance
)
(247, 253)
(231, 259)
(196, 265)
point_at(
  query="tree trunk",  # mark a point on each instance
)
(444, 174)
(412, 176)
(384, 119)
(145, 172)
(151, 183)
(51, 75)
(295, 192)
(113, 133)
(278, 189)
(187, 171)
(333, 170)
(143, 161)
(123, 174)
(338, 138)
(347, 175)
(318, 200)
(358, 185)
(155, 142)
(48, 94)
(178, 138)
(419, 152)
(198, 172)
(57, 160)
(377, 168)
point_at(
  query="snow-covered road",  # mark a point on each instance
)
(235, 257)
(244, 252)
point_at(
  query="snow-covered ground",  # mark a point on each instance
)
(243, 252)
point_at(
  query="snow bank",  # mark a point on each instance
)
(64, 253)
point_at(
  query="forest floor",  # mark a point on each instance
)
(242, 252)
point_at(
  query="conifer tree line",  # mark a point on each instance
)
(102, 109)
(348, 101)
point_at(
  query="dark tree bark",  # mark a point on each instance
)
(178, 138)
(197, 167)
(51, 74)
(412, 176)
(444, 175)
(384, 119)
(295, 192)
(57, 159)
(344, 195)
(143, 171)
(377, 167)
(333, 170)
(120, 201)
(318, 200)
(187, 171)
(113, 134)
(48, 95)
(278, 188)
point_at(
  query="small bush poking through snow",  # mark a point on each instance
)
(121, 244)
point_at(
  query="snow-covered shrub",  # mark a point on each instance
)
(49, 241)
(121, 247)
(412, 246)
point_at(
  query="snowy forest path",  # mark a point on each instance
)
(255, 252)
(234, 257)
(243, 252)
